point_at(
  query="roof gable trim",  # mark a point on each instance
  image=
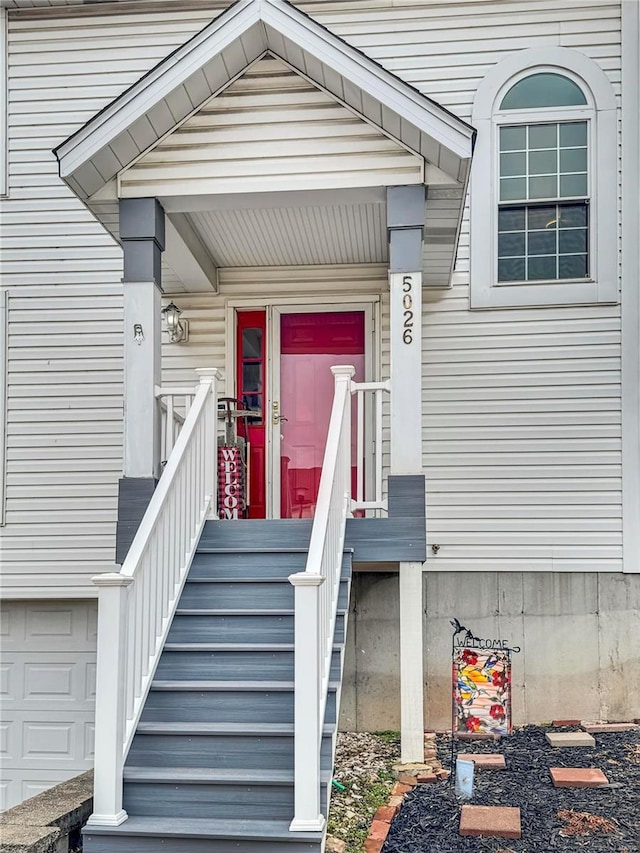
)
(221, 52)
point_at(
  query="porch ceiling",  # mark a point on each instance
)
(300, 229)
(289, 236)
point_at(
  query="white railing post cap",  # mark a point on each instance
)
(343, 370)
(207, 374)
(306, 579)
(112, 579)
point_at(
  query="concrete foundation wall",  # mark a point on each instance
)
(579, 634)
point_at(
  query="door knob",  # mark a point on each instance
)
(278, 419)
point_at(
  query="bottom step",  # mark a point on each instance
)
(173, 835)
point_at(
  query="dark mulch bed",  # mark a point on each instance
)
(429, 818)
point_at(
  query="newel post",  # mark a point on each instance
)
(211, 376)
(307, 814)
(110, 700)
(343, 375)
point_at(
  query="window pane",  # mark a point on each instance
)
(541, 268)
(572, 240)
(573, 266)
(511, 244)
(573, 133)
(511, 269)
(543, 90)
(573, 160)
(512, 188)
(252, 343)
(513, 164)
(511, 218)
(572, 215)
(543, 187)
(543, 136)
(573, 185)
(543, 162)
(542, 242)
(513, 138)
(252, 376)
(542, 217)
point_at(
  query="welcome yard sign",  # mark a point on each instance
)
(481, 671)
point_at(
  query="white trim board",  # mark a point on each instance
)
(4, 327)
(630, 294)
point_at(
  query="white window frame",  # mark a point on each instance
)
(4, 104)
(601, 115)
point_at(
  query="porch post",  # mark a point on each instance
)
(142, 237)
(405, 221)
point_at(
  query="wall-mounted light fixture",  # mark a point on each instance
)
(178, 329)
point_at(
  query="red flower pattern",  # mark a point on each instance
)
(469, 657)
(499, 678)
(473, 724)
(497, 712)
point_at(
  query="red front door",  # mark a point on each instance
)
(310, 343)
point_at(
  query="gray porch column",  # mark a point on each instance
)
(405, 221)
(142, 237)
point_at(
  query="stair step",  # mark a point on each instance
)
(145, 834)
(238, 595)
(232, 579)
(203, 792)
(189, 703)
(274, 686)
(203, 728)
(198, 775)
(236, 626)
(233, 563)
(250, 550)
(284, 534)
(227, 749)
(244, 664)
(228, 647)
(204, 611)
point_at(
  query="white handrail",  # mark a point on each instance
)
(316, 601)
(136, 605)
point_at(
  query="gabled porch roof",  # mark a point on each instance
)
(116, 137)
(212, 59)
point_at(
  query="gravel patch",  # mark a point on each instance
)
(363, 765)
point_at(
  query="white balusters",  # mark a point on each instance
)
(136, 606)
(361, 389)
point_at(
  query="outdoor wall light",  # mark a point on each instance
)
(178, 329)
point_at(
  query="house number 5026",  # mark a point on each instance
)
(407, 312)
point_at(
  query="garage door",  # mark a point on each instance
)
(47, 684)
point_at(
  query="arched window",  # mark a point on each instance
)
(543, 223)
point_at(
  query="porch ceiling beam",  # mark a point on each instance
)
(188, 257)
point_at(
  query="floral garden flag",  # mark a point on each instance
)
(482, 690)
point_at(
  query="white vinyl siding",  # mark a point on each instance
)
(270, 130)
(64, 437)
(522, 422)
